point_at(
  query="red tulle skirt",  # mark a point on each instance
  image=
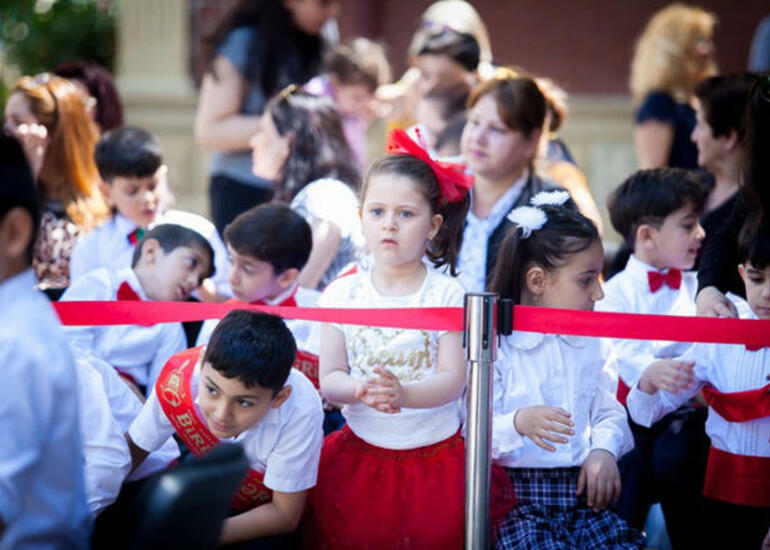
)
(371, 498)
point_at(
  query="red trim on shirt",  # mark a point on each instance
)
(739, 406)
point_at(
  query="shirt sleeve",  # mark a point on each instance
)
(609, 425)
(236, 48)
(92, 286)
(82, 260)
(151, 428)
(505, 438)
(292, 466)
(657, 106)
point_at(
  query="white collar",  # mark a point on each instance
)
(128, 275)
(123, 225)
(286, 294)
(531, 340)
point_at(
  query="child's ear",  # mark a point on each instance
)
(742, 272)
(106, 188)
(281, 397)
(731, 140)
(15, 233)
(645, 235)
(151, 251)
(288, 277)
(435, 223)
(535, 280)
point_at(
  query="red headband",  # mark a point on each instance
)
(453, 182)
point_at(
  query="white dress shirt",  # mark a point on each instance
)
(108, 246)
(472, 260)
(561, 371)
(285, 444)
(411, 355)
(140, 351)
(42, 491)
(629, 292)
(729, 368)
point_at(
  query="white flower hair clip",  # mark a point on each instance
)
(529, 218)
(550, 198)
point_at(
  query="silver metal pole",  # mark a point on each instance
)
(480, 342)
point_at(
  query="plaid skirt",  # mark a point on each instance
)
(550, 516)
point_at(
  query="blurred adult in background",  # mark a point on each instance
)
(95, 82)
(673, 54)
(759, 57)
(259, 48)
(750, 214)
(301, 150)
(48, 116)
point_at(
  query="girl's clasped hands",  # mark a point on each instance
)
(383, 393)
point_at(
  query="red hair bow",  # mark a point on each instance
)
(453, 182)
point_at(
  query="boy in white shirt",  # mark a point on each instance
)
(42, 497)
(657, 213)
(242, 388)
(133, 182)
(268, 246)
(733, 378)
(168, 264)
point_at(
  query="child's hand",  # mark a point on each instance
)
(667, 375)
(389, 386)
(372, 394)
(543, 422)
(600, 479)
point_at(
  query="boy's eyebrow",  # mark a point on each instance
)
(590, 271)
(244, 396)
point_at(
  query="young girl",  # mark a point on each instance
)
(393, 477)
(557, 428)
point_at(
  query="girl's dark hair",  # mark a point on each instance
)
(756, 175)
(566, 232)
(278, 38)
(444, 248)
(101, 86)
(319, 148)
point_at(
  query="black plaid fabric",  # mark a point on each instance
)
(549, 516)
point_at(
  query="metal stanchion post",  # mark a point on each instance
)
(480, 342)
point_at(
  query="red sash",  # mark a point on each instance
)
(737, 479)
(739, 406)
(175, 397)
(623, 391)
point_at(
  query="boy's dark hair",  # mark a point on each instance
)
(17, 186)
(171, 236)
(755, 247)
(723, 100)
(255, 348)
(565, 232)
(444, 248)
(461, 48)
(128, 152)
(359, 61)
(272, 233)
(648, 196)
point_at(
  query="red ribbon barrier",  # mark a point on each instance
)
(525, 318)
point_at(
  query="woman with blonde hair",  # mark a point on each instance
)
(47, 114)
(673, 54)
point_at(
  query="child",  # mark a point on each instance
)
(354, 71)
(268, 245)
(394, 475)
(557, 428)
(42, 497)
(242, 388)
(657, 213)
(133, 182)
(736, 507)
(168, 264)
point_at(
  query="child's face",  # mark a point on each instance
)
(675, 244)
(493, 150)
(252, 279)
(757, 283)
(353, 100)
(574, 285)
(438, 72)
(230, 408)
(397, 220)
(173, 276)
(135, 198)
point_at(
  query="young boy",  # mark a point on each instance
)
(133, 182)
(354, 71)
(242, 388)
(42, 497)
(168, 264)
(268, 246)
(656, 211)
(733, 377)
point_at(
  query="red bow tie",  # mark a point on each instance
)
(135, 236)
(125, 292)
(754, 347)
(288, 302)
(655, 279)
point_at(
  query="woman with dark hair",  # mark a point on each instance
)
(96, 83)
(302, 152)
(749, 215)
(258, 49)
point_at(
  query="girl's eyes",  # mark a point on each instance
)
(376, 211)
(406, 214)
